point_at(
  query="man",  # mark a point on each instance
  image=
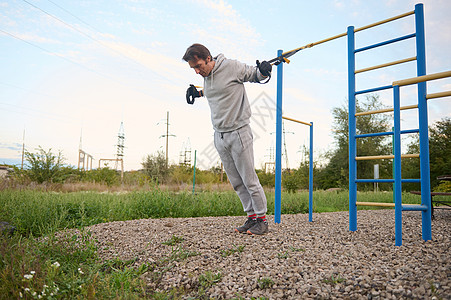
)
(230, 114)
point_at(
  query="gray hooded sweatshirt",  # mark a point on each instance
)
(226, 95)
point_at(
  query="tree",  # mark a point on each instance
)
(336, 173)
(44, 166)
(155, 167)
(440, 149)
(439, 154)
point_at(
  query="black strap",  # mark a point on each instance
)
(190, 96)
(256, 74)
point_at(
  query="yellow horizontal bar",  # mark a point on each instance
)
(375, 204)
(385, 21)
(198, 87)
(438, 95)
(297, 121)
(317, 43)
(385, 110)
(386, 156)
(387, 64)
(345, 34)
(423, 78)
(379, 204)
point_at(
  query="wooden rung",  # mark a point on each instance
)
(384, 110)
(297, 121)
(379, 204)
(423, 78)
(375, 204)
(386, 156)
(386, 65)
(438, 95)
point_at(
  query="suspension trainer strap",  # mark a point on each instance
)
(256, 76)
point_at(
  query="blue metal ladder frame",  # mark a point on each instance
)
(425, 206)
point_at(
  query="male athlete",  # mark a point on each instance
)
(230, 114)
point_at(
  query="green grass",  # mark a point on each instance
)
(35, 263)
(37, 213)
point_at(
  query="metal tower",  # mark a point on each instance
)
(120, 144)
(185, 154)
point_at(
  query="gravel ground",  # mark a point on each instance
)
(295, 260)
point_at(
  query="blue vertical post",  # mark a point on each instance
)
(423, 124)
(194, 171)
(310, 184)
(397, 162)
(278, 179)
(352, 132)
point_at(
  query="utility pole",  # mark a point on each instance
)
(285, 145)
(23, 148)
(167, 135)
(167, 139)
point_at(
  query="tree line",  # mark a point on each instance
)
(331, 171)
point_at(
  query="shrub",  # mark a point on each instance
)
(106, 176)
(155, 167)
(291, 181)
(44, 166)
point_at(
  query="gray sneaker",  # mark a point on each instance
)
(260, 227)
(247, 225)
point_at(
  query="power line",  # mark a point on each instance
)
(28, 90)
(62, 8)
(73, 62)
(93, 39)
(53, 53)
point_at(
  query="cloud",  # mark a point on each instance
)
(11, 146)
(229, 26)
(33, 38)
(158, 63)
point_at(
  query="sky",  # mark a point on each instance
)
(72, 71)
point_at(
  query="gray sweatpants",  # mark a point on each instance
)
(237, 154)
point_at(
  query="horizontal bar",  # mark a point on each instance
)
(386, 156)
(397, 62)
(374, 180)
(358, 136)
(386, 42)
(405, 207)
(411, 180)
(345, 34)
(386, 180)
(423, 78)
(374, 89)
(376, 204)
(413, 207)
(438, 95)
(297, 121)
(410, 131)
(385, 21)
(316, 43)
(385, 110)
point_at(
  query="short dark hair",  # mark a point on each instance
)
(196, 50)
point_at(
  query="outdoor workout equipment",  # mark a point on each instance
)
(278, 175)
(420, 58)
(420, 80)
(310, 185)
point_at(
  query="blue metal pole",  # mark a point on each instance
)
(278, 179)
(352, 132)
(194, 172)
(423, 124)
(397, 162)
(310, 185)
